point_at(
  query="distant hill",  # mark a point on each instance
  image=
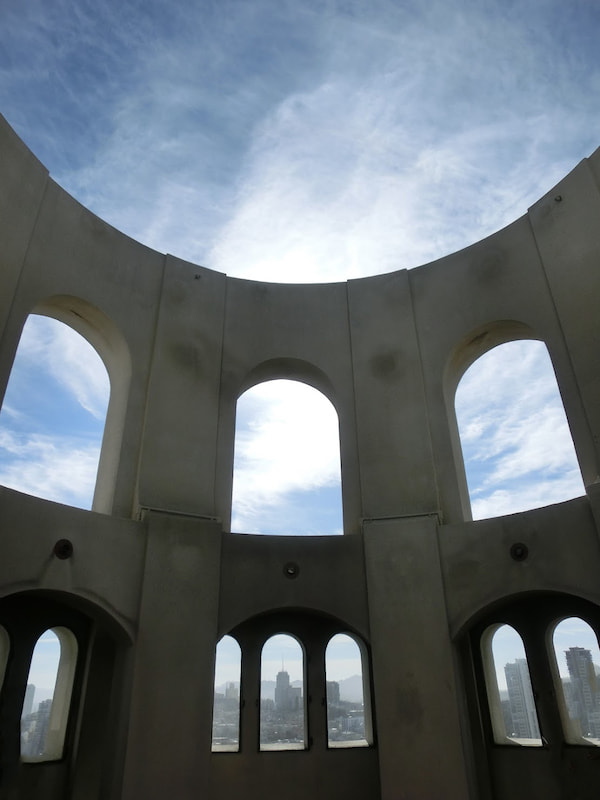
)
(351, 689)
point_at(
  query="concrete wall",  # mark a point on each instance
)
(155, 578)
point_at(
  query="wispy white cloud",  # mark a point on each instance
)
(312, 142)
(53, 415)
(516, 441)
(532, 493)
(288, 441)
(69, 359)
(433, 135)
(57, 468)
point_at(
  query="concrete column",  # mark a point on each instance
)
(416, 706)
(180, 432)
(171, 709)
(23, 180)
(396, 465)
(566, 226)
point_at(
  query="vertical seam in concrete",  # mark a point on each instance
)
(217, 471)
(151, 360)
(425, 397)
(26, 253)
(564, 341)
(356, 422)
(458, 693)
(17, 285)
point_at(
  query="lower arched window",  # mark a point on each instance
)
(348, 707)
(4, 650)
(226, 705)
(282, 695)
(48, 696)
(510, 694)
(577, 678)
(291, 681)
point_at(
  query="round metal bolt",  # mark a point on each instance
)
(519, 551)
(63, 549)
(558, 198)
(291, 570)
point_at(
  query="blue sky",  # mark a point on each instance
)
(53, 413)
(300, 141)
(303, 140)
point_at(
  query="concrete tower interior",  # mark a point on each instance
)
(140, 589)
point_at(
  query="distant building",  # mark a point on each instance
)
(583, 700)
(231, 691)
(287, 697)
(34, 729)
(333, 692)
(28, 702)
(522, 705)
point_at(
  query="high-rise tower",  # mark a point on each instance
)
(522, 704)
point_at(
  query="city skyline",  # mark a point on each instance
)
(283, 716)
(507, 646)
(580, 691)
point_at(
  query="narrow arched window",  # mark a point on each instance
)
(48, 696)
(511, 700)
(577, 675)
(226, 706)
(4, 651)
(516, 443)
(287, 462)
(53, 414)
(348, 694)
(282, 694)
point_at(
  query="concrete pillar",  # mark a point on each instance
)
(177, 471)
(23, 183)
(566, 226)
(396, 464)
(417, 716)
(171, 707)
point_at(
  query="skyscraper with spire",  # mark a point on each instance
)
(287, 697)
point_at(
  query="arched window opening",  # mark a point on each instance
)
(53, 414)
(510, 695)
(287, 462)
(282, 695)
(348, 694)
(4, 651)
(577, 676)
(226, 706)
(48, 696)
(517, 446)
